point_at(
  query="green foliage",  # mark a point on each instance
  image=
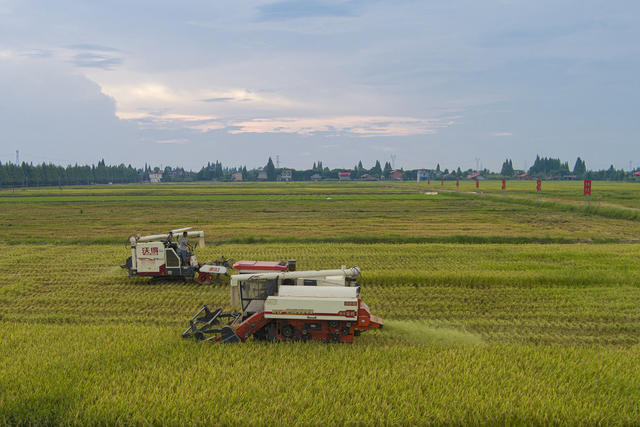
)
(270, 169)
(580, 168)
(27, 174)
(547, 166)
(507, 168)
(387, 170)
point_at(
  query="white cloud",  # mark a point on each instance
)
(160, 121)
(6, 54)
(179, 141)
(365, 126)
(501, 134)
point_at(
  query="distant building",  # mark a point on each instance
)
(396, 175)
(155, 177)
(262, 176)
(236, 176)
(286, 175)
(344, 176)
(316, 177)
(368, 177)
(525, 176)
(636, 173)
(422, 175)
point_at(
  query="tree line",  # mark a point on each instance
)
(548, 167)
(28, 174)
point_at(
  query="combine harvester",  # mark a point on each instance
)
(281, 305)
(152, 256)
(276, 302)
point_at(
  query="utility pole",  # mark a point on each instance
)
(393, 160)
(17, 157)
(477, 164)
(278, 161)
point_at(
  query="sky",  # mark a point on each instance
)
(462, 83)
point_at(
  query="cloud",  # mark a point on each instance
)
(364, 126)
(95, 56)
(501, 134)
(293, 9)
(179, 141)
(93, 47)
(220, 99)
(51, 110)
(37, 53)
(354, 126)
(92, 60)
(172, 121)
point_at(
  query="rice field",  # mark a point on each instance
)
(497, 312)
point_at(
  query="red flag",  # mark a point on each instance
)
(587, 187)
(504, 184)
(477, 183)
(539, 185)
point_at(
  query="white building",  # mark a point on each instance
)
(155, 177)
(286, 175)
(423, 175)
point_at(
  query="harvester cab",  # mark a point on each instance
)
(320, 305)
(154, 256)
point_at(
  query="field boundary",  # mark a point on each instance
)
(622, 212)
(455, 239)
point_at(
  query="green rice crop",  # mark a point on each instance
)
(496, 311)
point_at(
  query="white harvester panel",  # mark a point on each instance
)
(317, 303)
(149, 257)
(213, 269)
(321, 281)
(318, 292)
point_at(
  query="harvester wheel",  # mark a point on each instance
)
(334, 323)
(205, 278)
(287, 331)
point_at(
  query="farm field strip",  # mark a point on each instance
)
(225, 220)
(139, 374)
(504, 293)
(214, 188)
(510, 332)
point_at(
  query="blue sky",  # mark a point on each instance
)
(339, 81)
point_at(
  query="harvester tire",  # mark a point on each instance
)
(287, 331)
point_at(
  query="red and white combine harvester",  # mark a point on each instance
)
(156, 257)
(277, 304)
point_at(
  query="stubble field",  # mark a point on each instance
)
(498, 309)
